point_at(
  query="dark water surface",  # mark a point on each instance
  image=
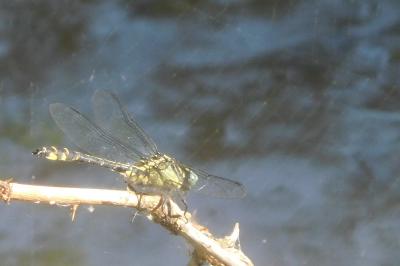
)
(298, 100)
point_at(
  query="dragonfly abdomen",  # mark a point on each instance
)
(54, 154)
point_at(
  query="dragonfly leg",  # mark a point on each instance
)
(168, 205)
(169, 208)
(139, 196)
(139, 202)
(181, 197)
(159, 204)
(186, 208)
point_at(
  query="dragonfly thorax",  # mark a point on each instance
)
(162, 172)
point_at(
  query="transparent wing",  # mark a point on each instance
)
(87, 136)
(113, 118)
(217, 186)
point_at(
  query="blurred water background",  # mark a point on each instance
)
(298, 100)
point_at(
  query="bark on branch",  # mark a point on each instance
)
(223, 251)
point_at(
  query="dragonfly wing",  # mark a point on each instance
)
(217, 186)
(90, 138)
(113, 118)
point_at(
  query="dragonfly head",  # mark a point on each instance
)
(190, 180)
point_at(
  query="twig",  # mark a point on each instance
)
(215, 251)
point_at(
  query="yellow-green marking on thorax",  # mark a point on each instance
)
(159, 171)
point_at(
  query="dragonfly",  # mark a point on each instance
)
(116, 141)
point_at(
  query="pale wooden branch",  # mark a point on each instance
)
(224, 251)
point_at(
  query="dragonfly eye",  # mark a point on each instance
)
(192, 180)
